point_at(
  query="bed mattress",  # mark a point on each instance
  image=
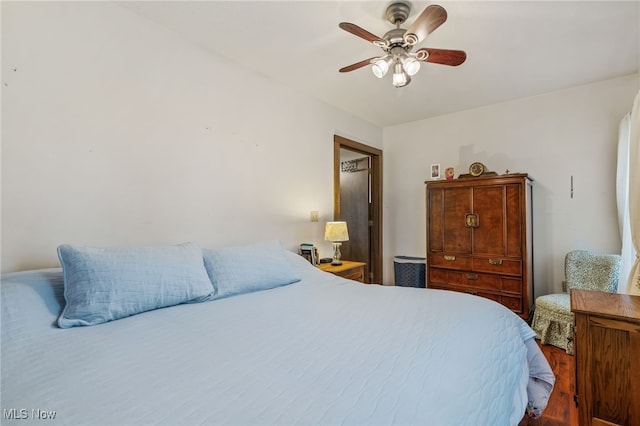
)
(323, 351)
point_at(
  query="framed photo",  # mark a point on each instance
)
(435, 171)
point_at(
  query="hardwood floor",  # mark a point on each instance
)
(561, 410)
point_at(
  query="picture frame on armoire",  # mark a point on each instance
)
(435, 171)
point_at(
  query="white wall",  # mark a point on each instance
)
(117, 132)
(552, 137)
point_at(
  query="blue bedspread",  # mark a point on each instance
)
(323, 351)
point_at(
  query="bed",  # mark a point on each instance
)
(319, 350)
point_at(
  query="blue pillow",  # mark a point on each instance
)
(244, 269)
(104, 284)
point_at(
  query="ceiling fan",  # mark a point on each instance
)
(398, 43)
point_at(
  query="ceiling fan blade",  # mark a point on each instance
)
(442, 56)
(357, 65)
(360, 32)
(430, 19)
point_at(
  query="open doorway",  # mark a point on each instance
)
(357, 199)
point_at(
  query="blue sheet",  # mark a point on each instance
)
(323, 351)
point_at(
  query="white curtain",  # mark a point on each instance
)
(622, 195)
(630, 215)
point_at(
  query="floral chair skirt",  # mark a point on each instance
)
(553, 321)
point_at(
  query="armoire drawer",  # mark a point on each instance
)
(511, 301)
(450, 261)
(476, 281)
(492, 265)
(497, 265)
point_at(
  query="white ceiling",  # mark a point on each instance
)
(514, 49)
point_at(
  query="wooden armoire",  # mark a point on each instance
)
(479, 238)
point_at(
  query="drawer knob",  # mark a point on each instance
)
(449, 258)
(472, 276)
(495, 261)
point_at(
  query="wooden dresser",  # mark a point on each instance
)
(479, 238)
(607, 355)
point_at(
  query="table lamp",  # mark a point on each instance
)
(336, 232)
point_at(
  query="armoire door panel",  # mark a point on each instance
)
(513, 205)
(489, 235)
(457, 204)
(436, 225)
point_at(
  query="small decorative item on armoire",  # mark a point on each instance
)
(449, 172)
(435, 171)
(477, 169)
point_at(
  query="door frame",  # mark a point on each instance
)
(376, 197)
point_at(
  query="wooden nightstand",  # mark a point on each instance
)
(607, 344)
(350, 270)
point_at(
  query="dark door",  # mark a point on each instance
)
(355, 207)
(360, 204)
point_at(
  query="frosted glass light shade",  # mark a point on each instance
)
(380, 67)
(400, 78)
(411, 65)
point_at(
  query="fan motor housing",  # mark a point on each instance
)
(395, 36)
(398, 12)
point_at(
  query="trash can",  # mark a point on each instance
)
(409, 271)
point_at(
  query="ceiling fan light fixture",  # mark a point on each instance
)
(400, 77)
(398, 43)
(381, 66)
(411, 65)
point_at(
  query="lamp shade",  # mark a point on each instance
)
(336, 231)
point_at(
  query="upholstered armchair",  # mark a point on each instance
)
(553, 320)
